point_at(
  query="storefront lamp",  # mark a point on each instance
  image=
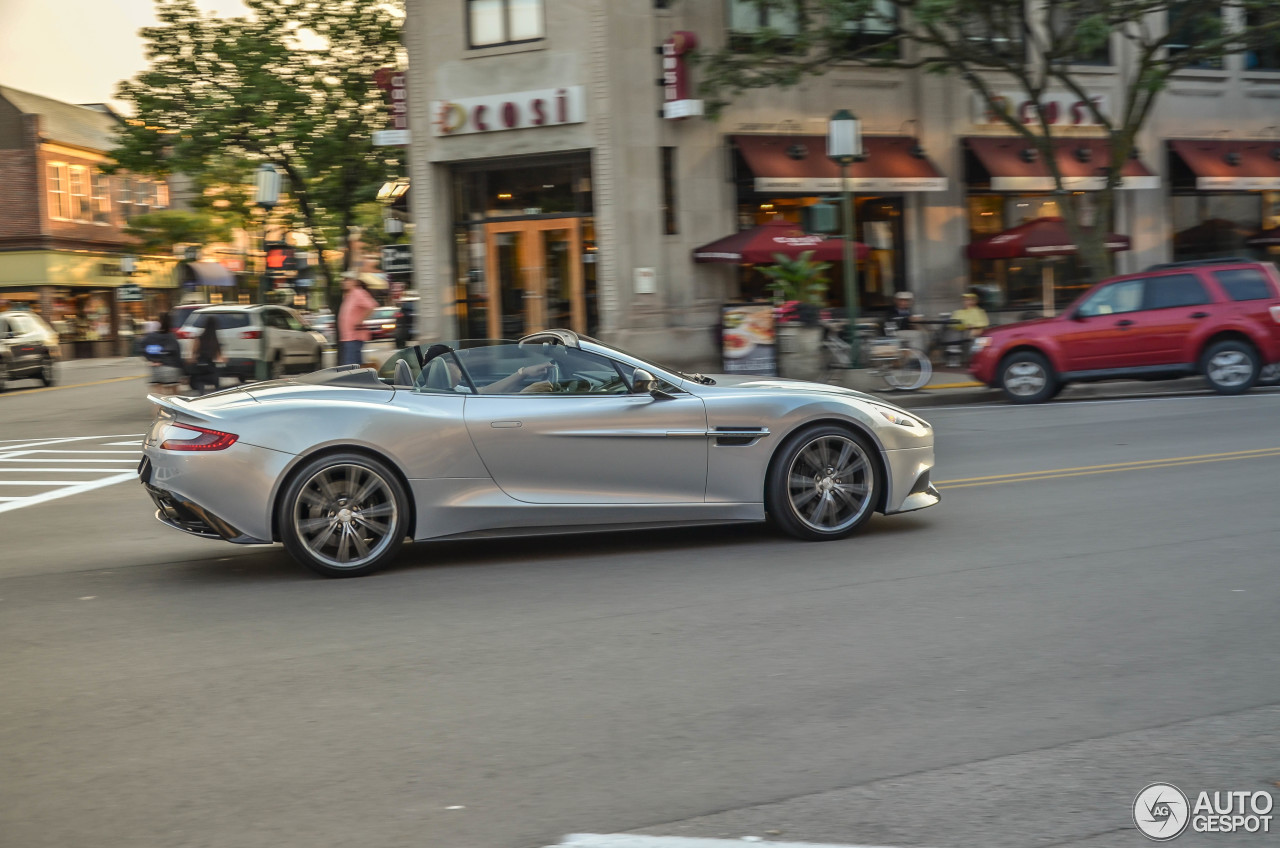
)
(268, 182)
(844, 147)
(393, 225)
(128, 264)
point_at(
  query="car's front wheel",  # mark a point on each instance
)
(344, 515)
(824, 483)
(1027, 377)
(1231, 367)
(1270, 375)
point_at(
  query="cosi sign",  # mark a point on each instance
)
(546, 107)
(1059, 109)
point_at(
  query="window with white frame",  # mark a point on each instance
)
(59, 198)
(749, 22)
(162, 196)
(879, 26)
(1190, 22)
(1264, 56)
(101, 199)
(125, 199)
(494, 22)
(78, 184)
(1065, 25)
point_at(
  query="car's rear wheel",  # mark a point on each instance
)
(1231, 366)
(275, 369)
(4, 376)
(1270, 375)
(344, 515)
(1026, 377)
(824, 483)
(46, 370)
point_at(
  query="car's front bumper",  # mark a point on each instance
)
(910, 486)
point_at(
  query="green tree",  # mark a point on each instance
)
(290, 84)
(159, 232)
(1036, 46)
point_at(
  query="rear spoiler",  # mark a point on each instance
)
(180, 407)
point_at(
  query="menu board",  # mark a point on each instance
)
(748, 344)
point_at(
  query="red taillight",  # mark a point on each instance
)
(203, 439)
(251, 334)
(183, 334)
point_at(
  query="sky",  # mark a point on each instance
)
(77, 50)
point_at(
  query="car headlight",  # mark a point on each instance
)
(900, 418)
(980, 343)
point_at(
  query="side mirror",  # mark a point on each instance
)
(642, 382)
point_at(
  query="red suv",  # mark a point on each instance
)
(1218, 318)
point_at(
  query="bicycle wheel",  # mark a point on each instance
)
(910, 371)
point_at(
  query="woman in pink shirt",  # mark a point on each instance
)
(357, 303)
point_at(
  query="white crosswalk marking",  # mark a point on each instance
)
(34, 471)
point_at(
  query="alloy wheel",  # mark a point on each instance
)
(1025, 378)
(1230, 368)
(345, 515)
(830, 483)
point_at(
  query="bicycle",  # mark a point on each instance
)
(901, 367)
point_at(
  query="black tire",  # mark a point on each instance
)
(1026, 377)
(1231, 366)
(1269, 375)
(364, 505)
(4, 375)
(47, 375)
(275, 368)
(824, 483)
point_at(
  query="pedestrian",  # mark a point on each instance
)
(901, 319)
(162, 352)
(357, 303)
(208, 359)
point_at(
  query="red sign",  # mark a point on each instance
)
(395, 84)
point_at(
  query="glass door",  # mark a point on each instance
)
(534, 272)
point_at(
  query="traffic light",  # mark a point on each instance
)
(280, 258)
(822, 217)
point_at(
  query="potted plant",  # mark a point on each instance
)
(800, 287)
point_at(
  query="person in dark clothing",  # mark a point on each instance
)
(901, 318)
(204, 368)
(160, 349)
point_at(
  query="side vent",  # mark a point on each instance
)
(738, 437)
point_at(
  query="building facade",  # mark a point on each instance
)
(562, 174)
(62, 239)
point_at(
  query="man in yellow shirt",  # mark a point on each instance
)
(972, 318)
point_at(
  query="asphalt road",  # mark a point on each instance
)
(1092, 608)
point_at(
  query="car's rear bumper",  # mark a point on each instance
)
(190, 517)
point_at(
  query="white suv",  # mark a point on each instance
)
(290, 344)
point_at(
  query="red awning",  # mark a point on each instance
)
(759, 244)
(799, 164)
(1039, 237)
(1229, 165)
(1014, 164)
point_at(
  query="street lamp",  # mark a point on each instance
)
(394, 227)
(844, 147)
(266, 197)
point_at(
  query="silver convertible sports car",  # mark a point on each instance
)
(553, 433)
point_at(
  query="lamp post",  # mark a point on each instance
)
(844, 147)
(266, 197)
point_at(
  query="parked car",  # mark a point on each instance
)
(290, 346)
(341, 466)
(28, 348)
(326, 324)
(381, 323)
(180, 315)
(1219, 318)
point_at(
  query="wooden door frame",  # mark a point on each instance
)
(533, 268)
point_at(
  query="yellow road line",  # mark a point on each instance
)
(970, 385)
(20, 392)
(1140, 465)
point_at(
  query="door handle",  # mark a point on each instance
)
(505, 425)
(1199, 314)
(1125, 322)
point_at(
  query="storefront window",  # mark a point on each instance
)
(1206, 226)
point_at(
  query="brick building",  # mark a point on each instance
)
(62, 240)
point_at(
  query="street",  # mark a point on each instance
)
(1091, 609)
